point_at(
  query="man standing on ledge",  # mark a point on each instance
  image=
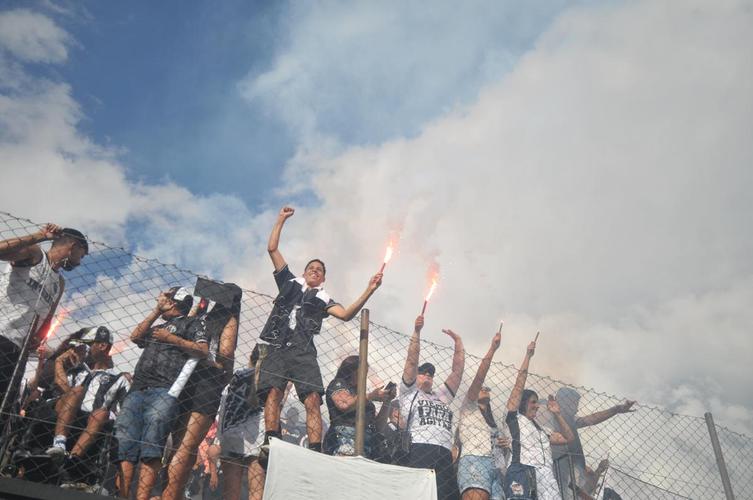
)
(289, 353)
(31, 287)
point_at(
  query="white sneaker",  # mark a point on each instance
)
(55, 451)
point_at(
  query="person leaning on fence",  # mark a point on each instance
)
(290, 353)
(342, 396)
(387, 441)
(572, 453)
(241, 432)
(152, 403)
(200, 400)
(479, 436)
(31, 287)
(531, 473)
(427, 413)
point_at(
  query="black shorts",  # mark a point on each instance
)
(439, 458)
(278, 365)
(203, 392)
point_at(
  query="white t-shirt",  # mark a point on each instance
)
(530, 444)
(431, 419)
(24, 292)
(477, 437)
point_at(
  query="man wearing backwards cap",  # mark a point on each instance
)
(31, 287)
(426, 411)
(290, 353)
(148, 411)
(91, 351)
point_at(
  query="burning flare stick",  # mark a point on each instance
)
(54, 324)
(387, 257)
(428, 295)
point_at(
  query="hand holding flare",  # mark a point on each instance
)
(428, 295)
(387, 257)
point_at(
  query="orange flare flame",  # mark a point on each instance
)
(388, 253)
(431, 290)
(55, 324)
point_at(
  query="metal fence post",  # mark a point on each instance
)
(719, 457)
(363, 368)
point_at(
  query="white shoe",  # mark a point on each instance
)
(55, 451)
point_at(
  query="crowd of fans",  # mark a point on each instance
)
(184, 422)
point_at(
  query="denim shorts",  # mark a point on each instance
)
(144, 423)
(480, 472)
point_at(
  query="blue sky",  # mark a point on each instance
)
(165, 88)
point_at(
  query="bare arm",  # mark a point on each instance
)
(346, 314)
(383, 417)
(62, 362)
(345, 401)
(274, 238)
(483, 369)
(601, 416)
(27, 247)
(567, 435)
(228, 340)
(193, 349)
(458, 363)
(414, 348)
(513, 403)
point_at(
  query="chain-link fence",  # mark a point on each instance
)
(618, 450)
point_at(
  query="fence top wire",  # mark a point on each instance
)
(667, 450)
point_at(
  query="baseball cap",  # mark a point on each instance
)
(427, 368)
(95, 334)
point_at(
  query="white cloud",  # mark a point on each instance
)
(599, 192)
(33, 37)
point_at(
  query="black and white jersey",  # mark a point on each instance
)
(298, 311)
(105, 389)
(239, 401)
(26, 292)
(163, 365)
(428, 414)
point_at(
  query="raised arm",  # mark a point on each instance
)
(274, 238)
(26, 248)
(458, 363)
(142, 329)
(414, 347)
(520, 382)
(566, 435)
(600, 416)
(483, 369)
(346, 314)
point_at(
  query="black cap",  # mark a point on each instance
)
(427, 368)
(94, 334)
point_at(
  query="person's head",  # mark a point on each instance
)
(568, 399)
(99, 341)
(484, 394)
(68, 249)
(348, 369)
(314, 273)
(529, 404)
(180, 302)
(425, 377)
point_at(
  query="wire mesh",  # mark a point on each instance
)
(651, 453)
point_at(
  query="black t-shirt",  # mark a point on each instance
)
(297, 313)
(215, 322)
(346, 418)
(161, 363)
